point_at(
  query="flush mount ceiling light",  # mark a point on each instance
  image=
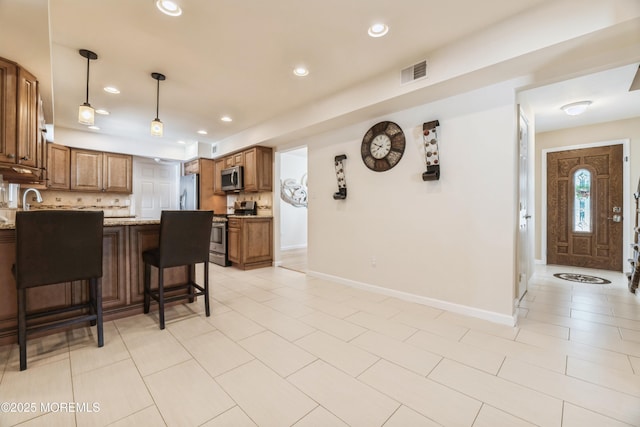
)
(301, 71)
(378, 30)
(576, 108)
(156, 124)
(86, 114)
(168, 7)
(111, 89)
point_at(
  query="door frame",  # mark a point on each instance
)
(626, 196)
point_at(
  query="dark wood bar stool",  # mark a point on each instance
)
(56, 247)
(184, 240)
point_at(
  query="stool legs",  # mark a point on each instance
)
(206, 289)
(161, 296)
(98, 291)
(22, 327)
(147, 287)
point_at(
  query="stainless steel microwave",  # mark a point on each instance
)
(232, 179)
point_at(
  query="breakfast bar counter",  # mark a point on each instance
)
(122, 274)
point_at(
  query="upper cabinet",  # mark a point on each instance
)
(58, 174)
(258, 169)
(28, 135)
(20, 139)
(118, 176)
(97, 171)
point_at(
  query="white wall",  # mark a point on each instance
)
(449, 243)
(293, 220)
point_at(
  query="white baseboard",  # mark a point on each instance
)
(287, 248)
(491, 316)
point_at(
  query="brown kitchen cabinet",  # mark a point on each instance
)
(192, 167)
(20, 139)
(118, 173)
(58, 169)
(235, 159)
(250, 242)
(218, 165)
(98, 171)
(28, 135)
(258, 169)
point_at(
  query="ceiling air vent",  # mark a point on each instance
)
(414, 72)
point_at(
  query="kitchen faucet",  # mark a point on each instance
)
(26, 206)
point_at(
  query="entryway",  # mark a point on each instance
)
(293, 209)
(585, 207)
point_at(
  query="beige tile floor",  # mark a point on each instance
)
(284, 349)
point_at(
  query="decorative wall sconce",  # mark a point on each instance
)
(342, 183)
(86, 113)
(157, 128)
(431, 151)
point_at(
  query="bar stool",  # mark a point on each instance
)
(55, 247)
(184, 240)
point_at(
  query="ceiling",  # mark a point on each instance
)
(227, 57)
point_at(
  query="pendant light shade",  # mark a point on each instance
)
(86, 113)
(157, 128)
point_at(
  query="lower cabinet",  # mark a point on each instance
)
(250, 242)
(122, 278)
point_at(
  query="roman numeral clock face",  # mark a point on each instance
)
(382, 146)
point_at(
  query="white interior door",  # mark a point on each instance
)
(155, 188)
(524, 216)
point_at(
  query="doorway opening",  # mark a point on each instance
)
(293, 209)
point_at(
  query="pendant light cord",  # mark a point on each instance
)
(87, 98)
(157, 98)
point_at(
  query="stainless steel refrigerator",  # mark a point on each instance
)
(189, 193)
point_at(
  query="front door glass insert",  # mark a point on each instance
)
(582, 201)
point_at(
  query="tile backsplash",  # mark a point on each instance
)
(264, 201)
(113, 204)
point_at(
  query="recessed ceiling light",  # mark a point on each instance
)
(111, 89)
(226, 119)
(576, 108)
(103, 112)
(181, 142)
(300, 71)
(378, 30)
(168, 7)
(202, 132)
(93, 127)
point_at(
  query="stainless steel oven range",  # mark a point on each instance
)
(218, 243)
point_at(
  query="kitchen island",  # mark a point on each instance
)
(122, 274)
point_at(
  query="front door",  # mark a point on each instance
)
(584, 207)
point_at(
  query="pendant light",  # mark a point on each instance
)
(156, 124)
(86, 113)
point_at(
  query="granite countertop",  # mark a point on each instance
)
(113, 222)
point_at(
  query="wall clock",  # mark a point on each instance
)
(382, 146)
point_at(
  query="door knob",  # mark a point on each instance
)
(615, 218)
